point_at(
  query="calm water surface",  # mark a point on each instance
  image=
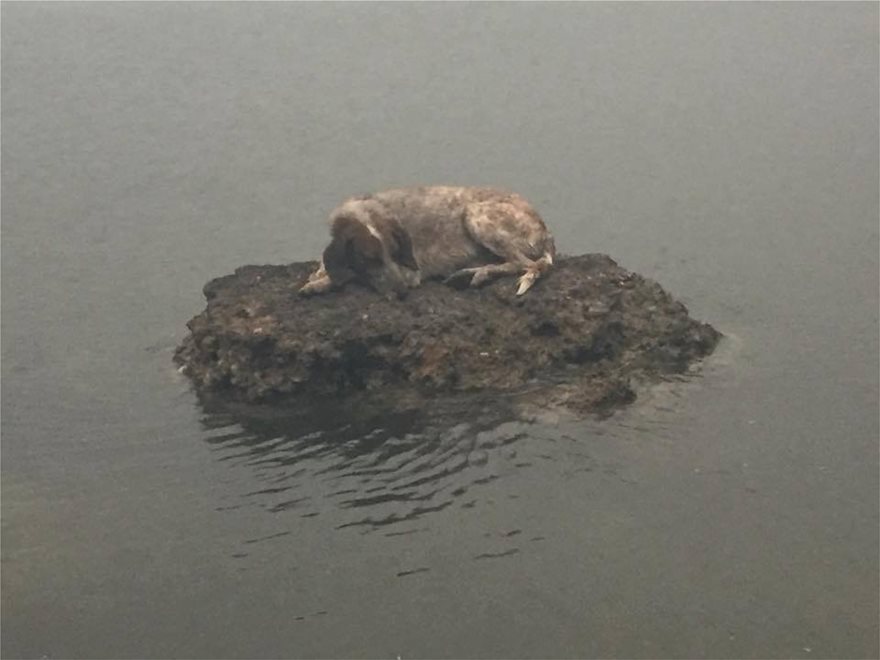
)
(729, 151)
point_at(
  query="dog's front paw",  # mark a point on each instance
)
(314, 287)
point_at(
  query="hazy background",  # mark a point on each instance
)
(728, 150)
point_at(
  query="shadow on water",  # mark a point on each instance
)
(368, 468)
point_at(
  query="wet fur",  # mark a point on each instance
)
(394, 239)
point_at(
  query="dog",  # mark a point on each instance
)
(394, 240)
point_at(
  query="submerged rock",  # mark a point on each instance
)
(578, 339)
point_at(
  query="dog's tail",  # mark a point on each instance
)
(534, 271)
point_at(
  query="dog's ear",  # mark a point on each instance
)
(353, 247)
(403, 247)
(400, 247)
(336, 262)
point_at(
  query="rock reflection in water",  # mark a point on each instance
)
(365, 468)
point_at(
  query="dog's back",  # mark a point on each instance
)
(436, 218)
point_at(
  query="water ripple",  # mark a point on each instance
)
(370, 473)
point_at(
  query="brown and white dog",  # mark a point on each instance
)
(395, 239)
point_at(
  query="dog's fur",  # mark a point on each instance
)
(394, 239)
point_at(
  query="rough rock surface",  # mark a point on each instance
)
(579, 338)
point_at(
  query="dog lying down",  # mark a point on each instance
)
(393, 240)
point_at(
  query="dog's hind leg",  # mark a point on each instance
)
(515, 234)
(533, 272)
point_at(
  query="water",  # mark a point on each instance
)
(729, 151)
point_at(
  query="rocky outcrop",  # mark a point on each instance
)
(579, 338)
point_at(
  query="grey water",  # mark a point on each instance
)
(727, 150)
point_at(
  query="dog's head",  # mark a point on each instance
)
(373, 257)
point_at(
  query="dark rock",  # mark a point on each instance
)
(577, 339)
